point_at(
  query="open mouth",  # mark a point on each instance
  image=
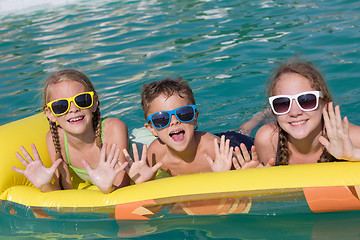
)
(76, 119)
(177, 136)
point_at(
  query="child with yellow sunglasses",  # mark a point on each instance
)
(77, 132)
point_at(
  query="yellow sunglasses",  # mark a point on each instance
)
(61, 106)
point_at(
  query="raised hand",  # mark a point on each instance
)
(39, 175)
(338, 143)
(138, 170)
(105, 173)
(223, 155)
(244, 161)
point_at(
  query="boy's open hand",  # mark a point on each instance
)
(223, 155)
(138, 170)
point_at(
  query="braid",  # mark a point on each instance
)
(97, 127)
(55, 138)
(326, 156)
(283, 153)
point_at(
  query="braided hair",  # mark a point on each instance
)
(307, 70)
(71, 75)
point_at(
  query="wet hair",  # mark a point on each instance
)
(307, 70)
(168, 87)
(77, 76)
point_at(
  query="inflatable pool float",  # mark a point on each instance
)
(308, 188)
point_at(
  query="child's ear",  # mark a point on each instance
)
(95, 104)
(151, 128)
(50, 114)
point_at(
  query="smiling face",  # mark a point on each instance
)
(297, 123)
(76, 120)
(177, 135)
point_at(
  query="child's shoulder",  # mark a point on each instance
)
(266, 133)
(114, 124)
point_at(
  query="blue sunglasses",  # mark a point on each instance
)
(162, 119)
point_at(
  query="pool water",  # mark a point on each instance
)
(226, 50)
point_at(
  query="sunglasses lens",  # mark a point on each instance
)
(281, 104)
(83, 100)
(185, 114)
(307, 101)
(160, 119)
(59, 107)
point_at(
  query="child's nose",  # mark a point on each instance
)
(295, 110)
(174, 120)
(73, 107)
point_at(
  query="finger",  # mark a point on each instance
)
(327, 123)
(216, 147)
(111, 154)
(35, 153)
(21, 159)
(86, 165)
(55, 165)
(245, 152)
(115, 158)
(222, 144)
(230, 153)
(135, 153)
(254, 154)
(239, 156)
(103, 153)
(324, 142)
(346, 127)
(127, 157)
(236, 163)
(227, 146)
(144, 153)
(156, 166)
(18, 170)
(270, 162)
(209, 159)
(122, 167)
(26, 154)
(332, 114)
(339, 124)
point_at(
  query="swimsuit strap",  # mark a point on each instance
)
(67, 149)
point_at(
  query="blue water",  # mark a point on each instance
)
(225, 50)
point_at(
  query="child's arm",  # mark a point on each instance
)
(266, 144)
(339, 143)
(138, 170)
(39, 175)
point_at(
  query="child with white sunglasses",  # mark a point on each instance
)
(171, 115)
(77, 132)
(307, 129)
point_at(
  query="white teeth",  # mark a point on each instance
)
(76, 119)
(298, 123)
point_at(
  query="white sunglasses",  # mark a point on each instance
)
(307, 101)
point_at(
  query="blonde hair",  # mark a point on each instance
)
(307, 70)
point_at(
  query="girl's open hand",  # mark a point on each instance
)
(223, 155)
(105, 173)
(138, 170)
(39, 175)
(338, 143)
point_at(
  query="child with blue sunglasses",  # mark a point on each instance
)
(171, 115)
